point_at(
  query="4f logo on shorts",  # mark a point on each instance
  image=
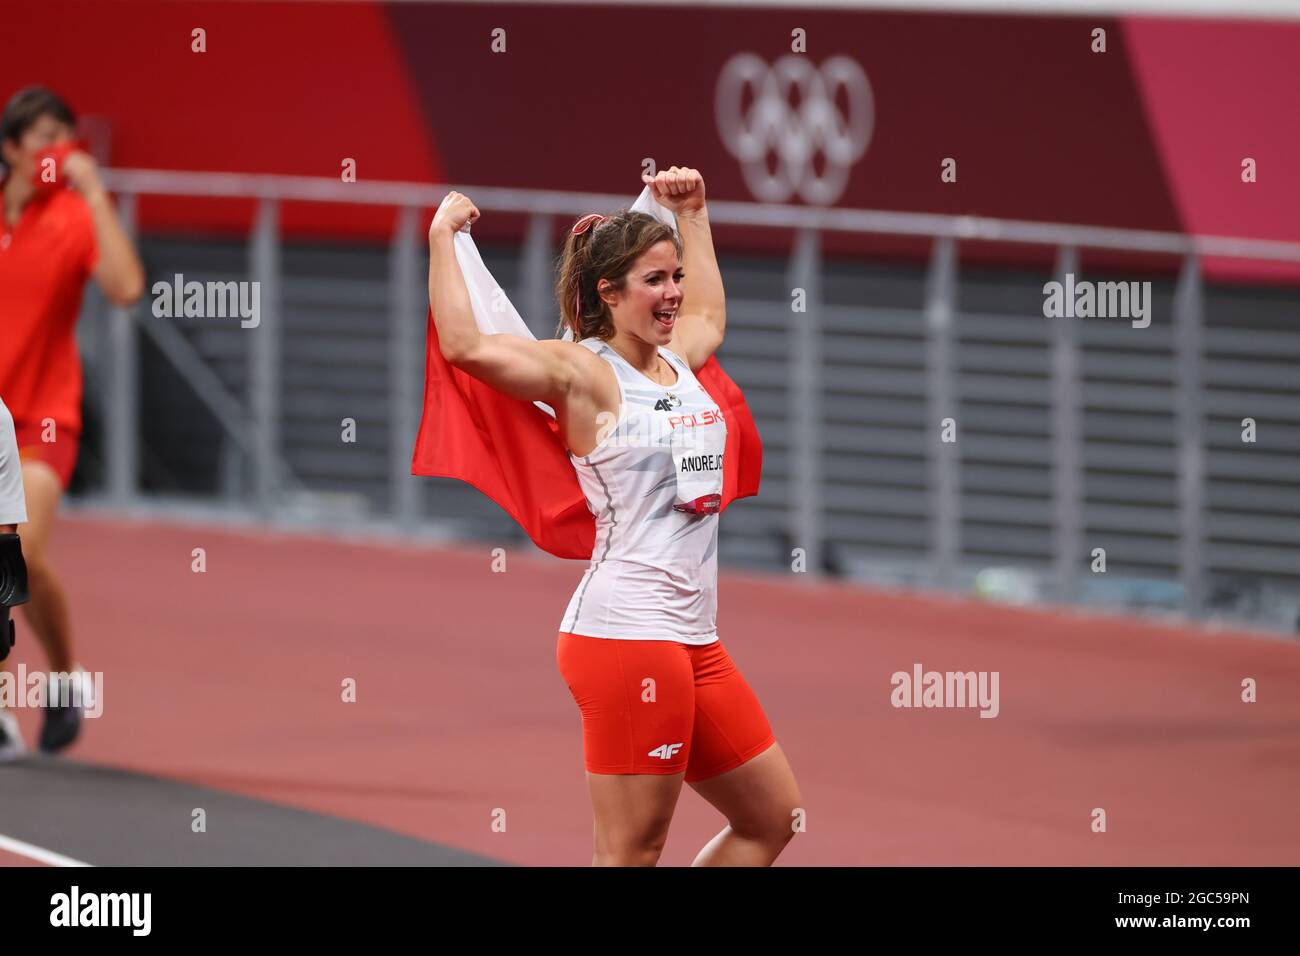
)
(667, 751)
(667, 404)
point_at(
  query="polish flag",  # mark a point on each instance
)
(511, 450)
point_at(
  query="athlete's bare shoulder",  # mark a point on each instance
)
(593, 391)
(592, 377)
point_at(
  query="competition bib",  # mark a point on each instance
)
(697, 458)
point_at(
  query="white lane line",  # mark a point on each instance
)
(41, 855)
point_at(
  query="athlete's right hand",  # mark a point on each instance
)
(82, 174)
(454, 211)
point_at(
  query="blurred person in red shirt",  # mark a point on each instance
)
(59, 228)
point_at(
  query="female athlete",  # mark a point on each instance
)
(59, 228)
(661, 700)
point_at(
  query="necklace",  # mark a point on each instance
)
(671, 397)
(664, 385)
(659, 361)
(658, 373)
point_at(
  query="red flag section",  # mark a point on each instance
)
(511, 451)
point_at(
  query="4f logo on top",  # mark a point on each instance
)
(667, 404)
(666, 751)
(795, 128)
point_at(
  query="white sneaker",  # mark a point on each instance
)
(11, 739)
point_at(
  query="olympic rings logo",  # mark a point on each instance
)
(795, 133)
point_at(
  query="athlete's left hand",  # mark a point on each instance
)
(82, 173)
(680, 188)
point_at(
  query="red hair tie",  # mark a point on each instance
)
(586, 222)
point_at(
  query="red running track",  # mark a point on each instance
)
(232, 679)
(17, 859)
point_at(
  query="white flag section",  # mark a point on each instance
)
(493, 312)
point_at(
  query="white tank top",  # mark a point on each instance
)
(13, 504)
(654, 569)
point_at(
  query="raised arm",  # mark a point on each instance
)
(702, 318)
(534, 371)
(118, 270)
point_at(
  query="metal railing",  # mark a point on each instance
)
(253, 426)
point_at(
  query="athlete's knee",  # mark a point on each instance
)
(628, 856)
(774, 826)
(33, 553)
(627, 848)
(39, 569)
(640, 846)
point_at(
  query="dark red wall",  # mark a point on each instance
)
(1041, 127)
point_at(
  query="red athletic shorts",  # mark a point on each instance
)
(661, 706)
(60, 454)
